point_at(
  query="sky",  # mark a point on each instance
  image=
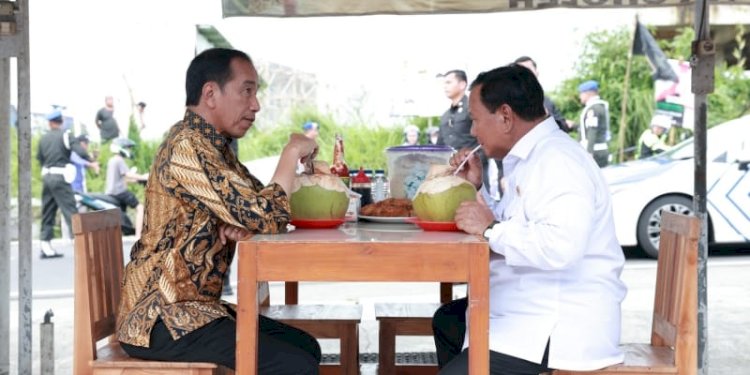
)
(82, 50)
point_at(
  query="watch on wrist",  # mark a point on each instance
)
(486, 233)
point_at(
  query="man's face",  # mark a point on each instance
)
(658, 130)
(490, 129)
(236, 104)
(453, 87)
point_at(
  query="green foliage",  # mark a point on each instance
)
(363, 145)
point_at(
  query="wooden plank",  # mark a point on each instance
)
(330, 265)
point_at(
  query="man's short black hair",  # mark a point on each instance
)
(211, 65)
(460, 74)
(524, 59)
(514, 85)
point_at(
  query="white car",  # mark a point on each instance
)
(641, 189)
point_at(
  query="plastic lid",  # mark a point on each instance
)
(421, 148)
(361, 177)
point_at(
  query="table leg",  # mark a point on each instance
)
(247, 311)
(479, 288)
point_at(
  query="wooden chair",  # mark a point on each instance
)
(673, 347)
(98, 274)
(406, 319)
(323, 322)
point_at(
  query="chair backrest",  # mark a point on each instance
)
(676, 301)
(98, 274)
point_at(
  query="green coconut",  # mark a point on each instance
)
(319, 197)
(438, 198)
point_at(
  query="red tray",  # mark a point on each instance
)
(317, 224)
(443, 226)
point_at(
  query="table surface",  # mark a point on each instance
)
(360, 252)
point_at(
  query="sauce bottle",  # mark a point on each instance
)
(338, 167)
(362, 185)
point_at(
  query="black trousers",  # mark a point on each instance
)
(449, 327)
(56, 193)
(281, 349)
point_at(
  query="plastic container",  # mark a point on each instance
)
(408, 166)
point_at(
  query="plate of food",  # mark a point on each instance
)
(442, 226)
(317, 224)
(388, 219)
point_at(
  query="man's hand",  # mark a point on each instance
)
(472, 170)
(474, 217)
(232, 233)
(305, 147)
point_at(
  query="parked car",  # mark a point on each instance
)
(641, 189)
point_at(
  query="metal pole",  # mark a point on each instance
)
(5, 216)
(624, 101)
(47, 344)
(24, 192)
(702, 63)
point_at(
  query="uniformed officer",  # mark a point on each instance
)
(57, 174)
(455, 123)
(594, 124)
(651, 141)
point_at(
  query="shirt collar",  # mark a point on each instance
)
(196, 122)
(526, 144)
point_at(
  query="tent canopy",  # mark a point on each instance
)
(315, 8)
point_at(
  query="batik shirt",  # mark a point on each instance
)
(177, 267)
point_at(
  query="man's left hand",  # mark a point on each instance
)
(232, 233)
(473, 217)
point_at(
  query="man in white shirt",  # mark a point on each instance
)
(555, 263)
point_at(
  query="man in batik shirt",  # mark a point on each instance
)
(199, 200)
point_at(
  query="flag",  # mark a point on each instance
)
(645, 44)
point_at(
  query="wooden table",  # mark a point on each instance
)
(364, 252)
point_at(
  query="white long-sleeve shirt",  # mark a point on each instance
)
(555, 263)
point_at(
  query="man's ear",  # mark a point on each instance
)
(507, 117)
(208, 94)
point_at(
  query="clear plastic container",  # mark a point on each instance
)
(408, 166)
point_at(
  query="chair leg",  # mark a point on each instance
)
(349, 348)
(387, 348)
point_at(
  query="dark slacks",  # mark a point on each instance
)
(56, 193)
(449, 327)
(281, 349)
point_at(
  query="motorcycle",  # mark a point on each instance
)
(101, 201)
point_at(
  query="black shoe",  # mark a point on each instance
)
(44, 255)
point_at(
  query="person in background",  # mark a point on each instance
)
(310, 129)
(651, 141)
(594, 123)
(81, 163)
(140, 115)
(455, 124)
(549, 105)
(119, 176)
(53, 153)
(411, 135)
(106, 122)
(199, 200)
(555, 263)
(433, 133)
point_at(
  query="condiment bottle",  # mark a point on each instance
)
(338, 167)
(362, 185)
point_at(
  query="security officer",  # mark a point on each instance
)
(455, 124)
(57, 174)
(651, 141)
(594, 124)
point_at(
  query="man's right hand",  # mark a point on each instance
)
(472, 170)
(302, 145)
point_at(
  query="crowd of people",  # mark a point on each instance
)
(543, 206)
